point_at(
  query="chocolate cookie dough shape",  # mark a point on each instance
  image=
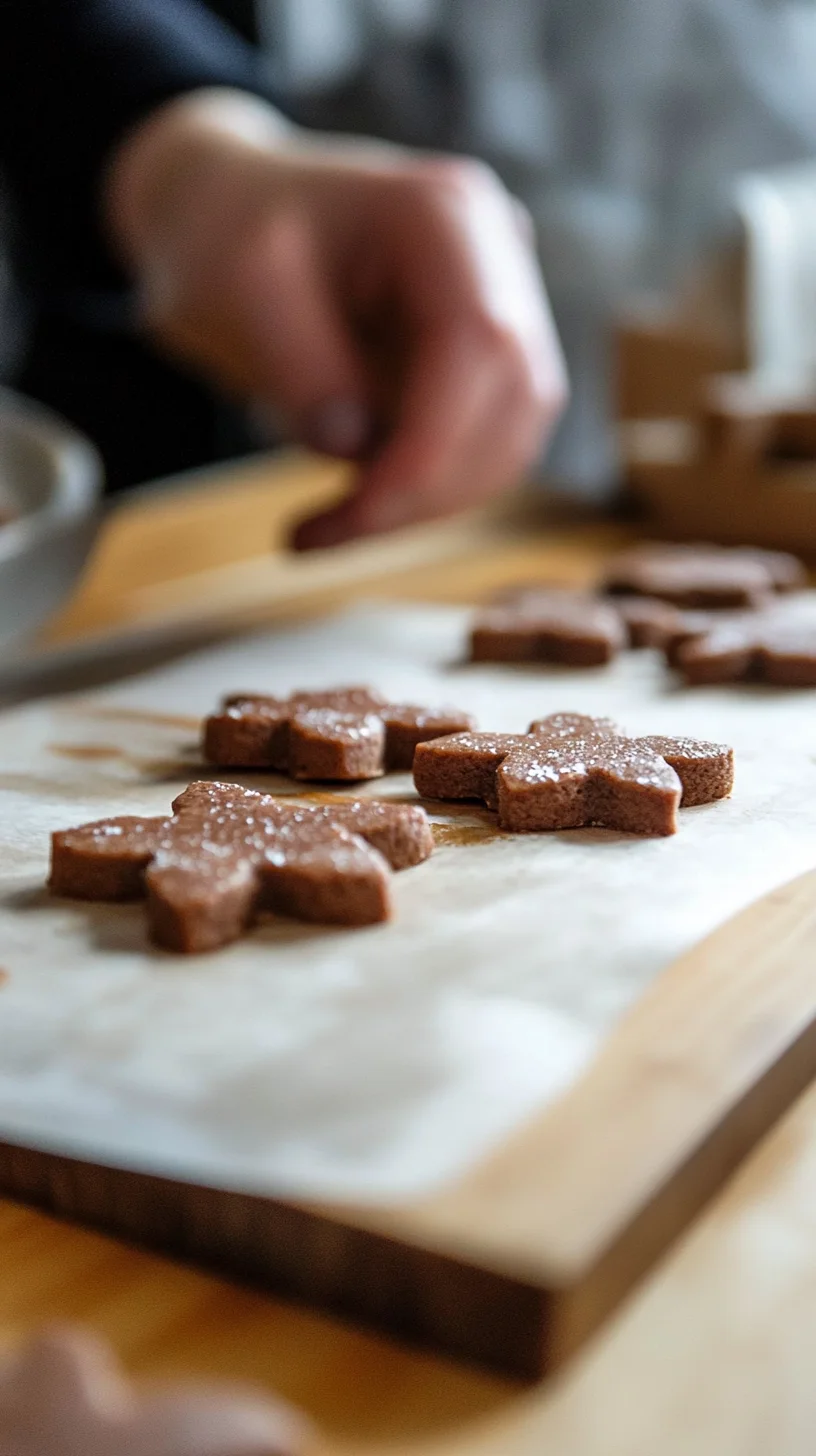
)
(558, 627)
(571, 771)
(648, 622)
(651, 623)
(755, 649)
(644, 621)
(344, 735)
(228, 853)
(64, 1394)
(703, 576)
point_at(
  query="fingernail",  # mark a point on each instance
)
(339, 427)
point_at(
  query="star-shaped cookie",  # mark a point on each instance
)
(570, 771)
(532, 625)
(228, 853)
(344, 734)
(763, 649)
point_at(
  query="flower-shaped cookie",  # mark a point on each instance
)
(228, 853)
(345, 734)
(757, 648)
(570, 771)
(572, 629)
(704, 575)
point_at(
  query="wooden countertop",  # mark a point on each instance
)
(713, 1356)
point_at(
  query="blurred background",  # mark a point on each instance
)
(621, 123)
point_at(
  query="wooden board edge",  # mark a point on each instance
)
(420, 1297)
(579, 1304)
(517, 1263)
(588, 1252)
(728, 1030)
(579, 1311)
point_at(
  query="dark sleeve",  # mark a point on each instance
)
(74, 76)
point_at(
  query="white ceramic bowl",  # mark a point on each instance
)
(50, 488)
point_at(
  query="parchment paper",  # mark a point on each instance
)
(367, 1064)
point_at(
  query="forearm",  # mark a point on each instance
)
(76, 76)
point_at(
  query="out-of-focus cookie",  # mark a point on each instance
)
(703, 576)
(567, 628)
(64, 1395)
(757, 649)
(341, 735)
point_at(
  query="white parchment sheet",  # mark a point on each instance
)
(368, 1064)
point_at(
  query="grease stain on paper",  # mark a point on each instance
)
(445, 835)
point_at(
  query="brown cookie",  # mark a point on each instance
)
(702, 576)
(648, 621)
(756, 649)
(346, 734)
(691, 626)
(571, 771)
(464, 765)
(705, 770)
(324, 744)
(228, 853)
(64, 1395)
(573, 725)
(568, 628)
(787, 573)
(652, 623)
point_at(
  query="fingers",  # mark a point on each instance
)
(488, 275)
(302, 352)
(437, 421)
(260, 315)
(342, 287)
(486, 379)
(454, 449)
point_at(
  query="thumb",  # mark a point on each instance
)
(301, 352)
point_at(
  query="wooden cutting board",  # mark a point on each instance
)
(475, 1127)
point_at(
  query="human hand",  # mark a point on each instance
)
(387, 305)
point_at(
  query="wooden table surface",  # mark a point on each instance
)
(712, 1356)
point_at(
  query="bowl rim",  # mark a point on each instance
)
(77, 474)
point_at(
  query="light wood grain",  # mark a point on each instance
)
(723, 1042)
(165, 1319)
(713, 1356)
